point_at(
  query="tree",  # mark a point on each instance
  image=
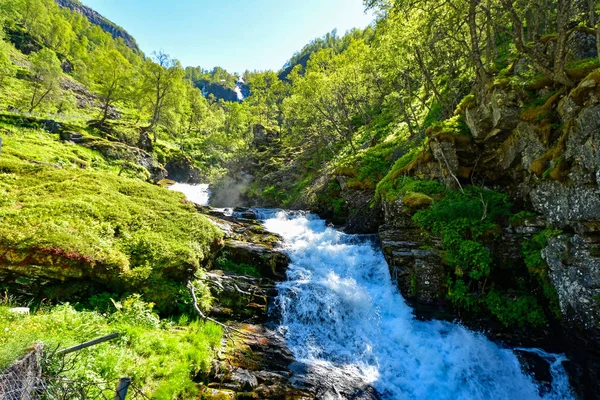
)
(110, 72)
(553, 69)
(161, 76)
(45, 74)
(7, 68)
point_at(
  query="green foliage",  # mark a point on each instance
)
(144, 351)
(225, 264)
(133, 233)
(515, 311)
(538, 268)
(466, 221)
(46, 72)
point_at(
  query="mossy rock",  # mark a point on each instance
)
(417, 201)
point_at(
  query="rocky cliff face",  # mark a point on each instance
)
(541, 144)
(97, 19)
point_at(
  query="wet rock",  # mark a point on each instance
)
(257, 367)
(362, 217)
(270, 263)
(240, 297)
(536, 367)
(412, 256)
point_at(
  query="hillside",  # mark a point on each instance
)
(95, 18)
(463, 134)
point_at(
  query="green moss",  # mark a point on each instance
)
(417, 200)
(467, 103)
(395, 184)
(225, 264)
(90, 223)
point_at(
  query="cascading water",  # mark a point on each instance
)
(341, 312)
(199, 194)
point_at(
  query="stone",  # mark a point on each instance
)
(51, 126)
(561, 203)
(418, 273)
(183, 170)
(580, 45)
(245, 379)
(506, 112)
(575, 273)
(270, 263)
(536, 367)
(362, 217)
(479, 121)
(583, 142)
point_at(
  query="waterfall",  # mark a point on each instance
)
(199, 194)
(341, 311)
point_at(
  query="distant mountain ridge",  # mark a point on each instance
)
(96, 18)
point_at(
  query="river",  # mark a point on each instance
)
(340, 311)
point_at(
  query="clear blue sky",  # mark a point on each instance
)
(234, 34)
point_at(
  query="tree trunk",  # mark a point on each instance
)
(427, 75)
(482, 74)
(557, 74)
(563, 17)
(598, 40)
(592, 13)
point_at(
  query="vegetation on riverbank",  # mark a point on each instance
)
(143, 351)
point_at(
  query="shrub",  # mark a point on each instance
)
(161, 357)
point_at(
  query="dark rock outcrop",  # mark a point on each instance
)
(548, 159)
(126, 153)
(182, 169)
(418, 272)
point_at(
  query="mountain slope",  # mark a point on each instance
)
(96, 18)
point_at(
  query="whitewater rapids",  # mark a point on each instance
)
(340, 310)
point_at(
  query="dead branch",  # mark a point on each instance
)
(205, 317)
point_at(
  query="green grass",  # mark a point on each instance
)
(90, 223)
(160, 356)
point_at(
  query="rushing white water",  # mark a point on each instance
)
(340, 309)
(199, 194)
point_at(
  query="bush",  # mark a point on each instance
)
(161, 357)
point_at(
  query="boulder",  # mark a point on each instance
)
(580, 45)
(269, 262)
(51, 126)
(183, 170)
(539, 369)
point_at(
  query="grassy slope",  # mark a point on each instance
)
(90, 222)
(144, 352)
